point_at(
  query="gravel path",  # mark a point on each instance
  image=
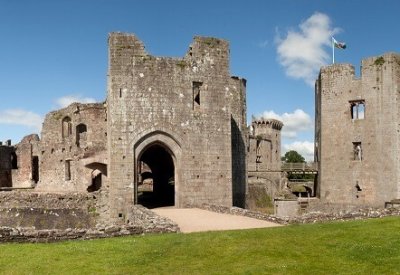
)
(197, 220)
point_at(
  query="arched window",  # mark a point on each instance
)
(66, 127)
(81, 130)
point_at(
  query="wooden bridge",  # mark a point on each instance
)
(300, 167)
(291, 168)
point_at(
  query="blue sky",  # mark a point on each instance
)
(55, 52)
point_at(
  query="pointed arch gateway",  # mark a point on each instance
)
(157, 170)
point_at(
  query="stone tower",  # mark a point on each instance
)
(185, 118)
(264, 158)
(357, 138)
(265, 145)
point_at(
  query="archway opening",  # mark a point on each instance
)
(96, 181)
(156, 185)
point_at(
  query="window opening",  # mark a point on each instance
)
(68, 170)
(14, 160)
(66, 127)
(357, 151)
(81, 130)
(35, 169)
(357, 109)
(196, 94)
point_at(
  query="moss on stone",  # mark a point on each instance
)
(379, 61)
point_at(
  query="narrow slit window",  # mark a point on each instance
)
(67, 170)
(357, 151)
(196, 95)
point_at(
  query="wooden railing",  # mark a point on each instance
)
(294, 168)
(300, 167)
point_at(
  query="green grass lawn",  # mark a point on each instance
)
(356, 247)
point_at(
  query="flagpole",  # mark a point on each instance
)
(333, 51)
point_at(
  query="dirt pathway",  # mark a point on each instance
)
(197, 220)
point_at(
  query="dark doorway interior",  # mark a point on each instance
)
(35, 169)
(96, 181)
(156, 186)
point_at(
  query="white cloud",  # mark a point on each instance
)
(67, 100)
(302, 53)
(21, 117)
(304, 148)
(292, 122)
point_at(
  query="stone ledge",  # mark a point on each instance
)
(311, 217)
(142, 221)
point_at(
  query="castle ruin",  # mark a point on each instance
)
(178, 122)
(357, 126)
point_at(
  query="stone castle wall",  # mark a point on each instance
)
(72, 147)
(189, 112)
(190, 106)
(357, 132)
(26, 171)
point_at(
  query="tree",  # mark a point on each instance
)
(293, 156)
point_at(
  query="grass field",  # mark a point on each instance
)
(356, 247)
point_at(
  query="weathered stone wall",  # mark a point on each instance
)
(26, 173)
(364, 112)
(239, 137)
(73, 148)
(141, 221)
(188, 105)
(286, 208)
(263, 189)
(46, 218)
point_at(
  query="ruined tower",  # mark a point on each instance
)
(357, 140)
(185, 118)
(264, 158)
(265, 145)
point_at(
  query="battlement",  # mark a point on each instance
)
(268, 122)
(202, 46)
(119, 41)
(7, 143)
(337, 71)
(385, 59)
(371, 64)
(206, 55)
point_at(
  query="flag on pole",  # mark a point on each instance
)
(336, 44)
(339, 45)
